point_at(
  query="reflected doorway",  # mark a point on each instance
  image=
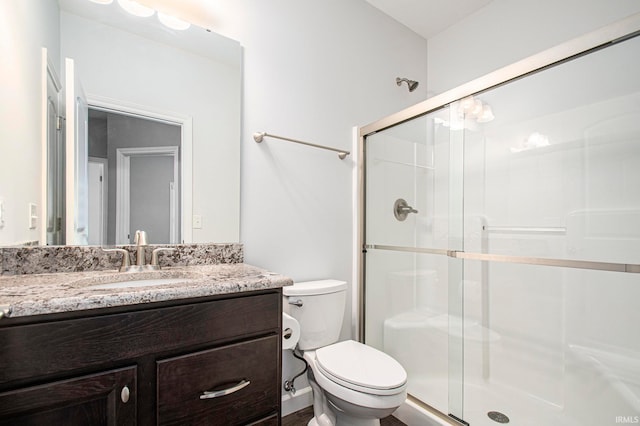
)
(142, 182)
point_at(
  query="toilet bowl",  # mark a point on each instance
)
(353, 384)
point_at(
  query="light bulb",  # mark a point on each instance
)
(536, 140)
(173, 22)
(467, 103)
(487, 114)
(477, 108)
(135, 8)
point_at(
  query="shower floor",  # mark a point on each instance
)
(479, 400)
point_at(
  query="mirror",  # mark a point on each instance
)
(127, 65)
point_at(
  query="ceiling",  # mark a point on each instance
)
(428, 17)
(424, 17)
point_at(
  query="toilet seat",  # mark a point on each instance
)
(332, 388)
(361, 368)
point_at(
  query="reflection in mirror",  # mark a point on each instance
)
(134, 178)
(189, 78)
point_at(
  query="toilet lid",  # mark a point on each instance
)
(314, 288)
(361, 367)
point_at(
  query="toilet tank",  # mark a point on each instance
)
(319, 308)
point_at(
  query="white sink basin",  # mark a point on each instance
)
(139, 283)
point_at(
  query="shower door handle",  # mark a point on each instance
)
(401, 209)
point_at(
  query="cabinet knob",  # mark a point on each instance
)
(124, 395)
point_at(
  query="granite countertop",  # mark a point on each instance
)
(26, 295)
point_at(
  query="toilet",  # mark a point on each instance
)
(353, 384)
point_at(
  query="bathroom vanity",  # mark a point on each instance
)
(204, 351)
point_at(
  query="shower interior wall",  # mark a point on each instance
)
(538, 341)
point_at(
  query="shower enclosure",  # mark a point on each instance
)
(501, 240)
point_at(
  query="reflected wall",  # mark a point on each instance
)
(27, 26)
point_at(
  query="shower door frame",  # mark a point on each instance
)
(588, 43)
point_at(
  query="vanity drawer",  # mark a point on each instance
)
(42, 349)
(248, 371)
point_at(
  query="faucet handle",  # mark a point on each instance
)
(155, 252)
(126, 262)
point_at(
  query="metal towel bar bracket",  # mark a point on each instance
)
(259, 137)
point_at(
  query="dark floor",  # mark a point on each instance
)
(302, 417)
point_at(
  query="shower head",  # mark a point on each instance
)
(412, 84)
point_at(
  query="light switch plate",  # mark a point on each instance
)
(33, 215)
(197, 221)
(1, 212)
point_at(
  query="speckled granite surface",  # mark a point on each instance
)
(49, 259)
(25, 295)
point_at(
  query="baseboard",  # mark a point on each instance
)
(412, 414)
(291, 403)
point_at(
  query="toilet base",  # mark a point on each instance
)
(345, 422)
(327, 411)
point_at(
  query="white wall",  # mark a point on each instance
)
(312, 71)
(506, 31)
(25, 27)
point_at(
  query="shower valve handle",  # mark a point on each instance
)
(401, 209)
(408, 209)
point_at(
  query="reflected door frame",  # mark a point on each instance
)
(100, 236)
(123, 186)
(186, 152)
(52, 176)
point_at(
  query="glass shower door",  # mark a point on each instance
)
(411, 310)
(502, 239)
(552, 206)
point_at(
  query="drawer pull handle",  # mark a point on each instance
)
(218, 393)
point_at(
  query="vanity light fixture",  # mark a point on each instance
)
(173, 22)
(533, 141)
(135, 8)
(474, 109)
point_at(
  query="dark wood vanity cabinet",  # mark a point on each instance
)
(199, 362)
(97, 399)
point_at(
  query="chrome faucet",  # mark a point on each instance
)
(140, 240)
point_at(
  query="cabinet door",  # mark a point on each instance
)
(107, 398)
(272, 420)
(231, 385)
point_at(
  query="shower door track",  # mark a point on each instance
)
(523, 260)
